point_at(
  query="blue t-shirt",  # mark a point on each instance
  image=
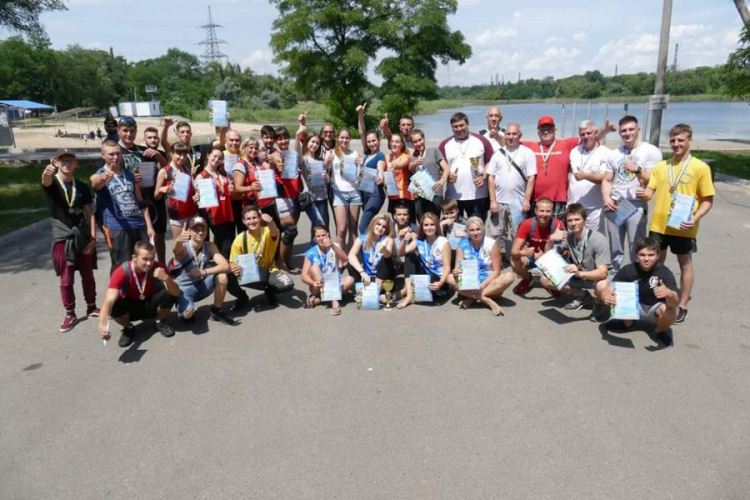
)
(371, 161)
(327, 262)
(483, 255)
(431, 256)
(117, 203)
(371, 257)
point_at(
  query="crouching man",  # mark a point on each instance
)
(196, 278)
(138, 289)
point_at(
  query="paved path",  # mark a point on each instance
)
(423, 403)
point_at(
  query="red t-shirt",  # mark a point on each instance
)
(223, 213)
(249, 172)
(118, 281)
(179, 210)
(552, 182)
(541, 235)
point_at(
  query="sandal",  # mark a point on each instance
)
(336, 311)
(312, 301)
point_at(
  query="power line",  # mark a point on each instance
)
(212, 53)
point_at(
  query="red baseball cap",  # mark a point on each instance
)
(545, 120)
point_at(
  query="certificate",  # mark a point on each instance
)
(315, 170)
(458, 232)
(367, 297)
(681, 210)
(627, 305)
(331, 287)
(391, 187)
(420, 285)
(249, 264)
(552, 266)
(207, 190)
(218, 110)
(366, 182)
(230, 160)
(147, 170)
(267, 181)
(468, 276)
(422, 185)
(181, 186)
(291, 164)
(349, 169)
(625, 210)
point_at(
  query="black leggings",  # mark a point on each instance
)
(386, 270)
(143, 309)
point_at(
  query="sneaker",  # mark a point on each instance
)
(92, 311)
(681, 315)
(219, 315)
(665, 338)
(126, 337)
(240, 304)
(579, 302)
(523, 286)
(599, 313)
(164, 328)
(68, 322)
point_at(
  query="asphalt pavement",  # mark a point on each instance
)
(429, 402)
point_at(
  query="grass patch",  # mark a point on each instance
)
(20, 186)
(17, 220)
(736, 163)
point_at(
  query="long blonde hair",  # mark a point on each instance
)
(371, 237)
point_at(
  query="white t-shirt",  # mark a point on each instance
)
(339, 183)
(495, 144)
(625, 183)
(458, 154)
(509, 185)
(587, 193)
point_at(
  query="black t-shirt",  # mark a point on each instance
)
(647, 281)
(58, 204)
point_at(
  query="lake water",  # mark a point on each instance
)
(710, 120)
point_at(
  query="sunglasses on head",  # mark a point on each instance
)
(127, 120)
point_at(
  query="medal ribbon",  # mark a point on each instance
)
(141, 288)
(69, 199)
(673, 183)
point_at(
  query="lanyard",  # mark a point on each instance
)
(428, 251)
(673, 183)
(69, 199)
(582, 167)
(123, 184)
(199, 258)
(578, 250)
(511, 159)
(545, 159)
(141, 288)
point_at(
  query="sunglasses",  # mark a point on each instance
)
(127, 120)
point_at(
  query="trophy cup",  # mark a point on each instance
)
(387, 287)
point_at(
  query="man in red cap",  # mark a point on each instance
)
(73, 233)
(552, 164)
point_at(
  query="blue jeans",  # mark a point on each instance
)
(317, 211)
(371, 205)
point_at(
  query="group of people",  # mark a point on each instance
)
(455, 214)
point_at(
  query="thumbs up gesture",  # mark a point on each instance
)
(661, 291)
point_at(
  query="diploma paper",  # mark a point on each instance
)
(552, 266)
(627, 306)
(681, 210)
(422, 184)
(350, 169)
(458, 232)
(230, 160)
(420, 285)
(291, 164)
(331, 287)
(268, 184)
(316, 173)
(367, 297)
(218, 110)
(181, 186)
(468, 277)
(366, 182)
(625, 210)
(249, 264)
(148, 173)
(390, 184)
(207, 190)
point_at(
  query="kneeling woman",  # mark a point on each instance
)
(482, 249)
(429, 253)
(324, 257)
(261, 239)
(370, 257)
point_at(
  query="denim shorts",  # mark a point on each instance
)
(194, 292)
(344, 198)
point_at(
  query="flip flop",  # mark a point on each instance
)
(312, 301)
(336, 311)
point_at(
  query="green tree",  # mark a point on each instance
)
(327, 46)
(22, 16)
(738, 68)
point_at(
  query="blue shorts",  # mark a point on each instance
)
(346, 198)
(194, 292)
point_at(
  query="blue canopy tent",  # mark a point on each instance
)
(17, 108)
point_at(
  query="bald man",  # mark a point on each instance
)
(494, 133)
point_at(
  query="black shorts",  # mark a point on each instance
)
(679, 245)
(143, 309)
(121, 242)
(157, 209)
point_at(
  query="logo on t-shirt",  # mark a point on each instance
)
(653, 282)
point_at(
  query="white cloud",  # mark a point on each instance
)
(554, 59)
(554, 40)
(493, 37)
(632, 53)
(260, 61)
(580, 37)
(516, 16)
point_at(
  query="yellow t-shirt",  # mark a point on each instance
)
(265, 248)
(696, 181)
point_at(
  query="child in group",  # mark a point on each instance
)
(324, 257)
(180, 212)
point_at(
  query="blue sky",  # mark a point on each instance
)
(537, 38)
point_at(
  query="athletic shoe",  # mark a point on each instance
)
(599, 313)
(92, 311)
(523, 286)
(665, 338)
(68, 322)
(219, 315)
(126, 337)
(240, 304)
(579, 302)
(681, 315)
(163, 328)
